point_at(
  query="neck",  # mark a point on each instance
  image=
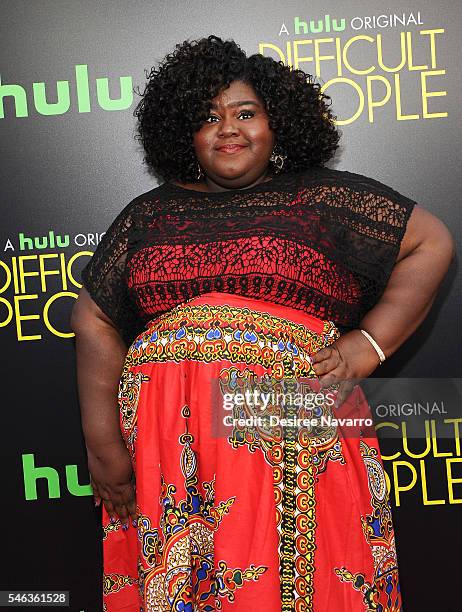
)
(214, 186)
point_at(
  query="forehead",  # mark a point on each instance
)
(236, 92)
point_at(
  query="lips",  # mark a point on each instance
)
(230, 148)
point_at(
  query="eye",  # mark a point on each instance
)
(244, 114)
(248, 114)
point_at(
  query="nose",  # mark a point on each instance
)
(228, 127)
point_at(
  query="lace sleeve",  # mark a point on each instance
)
(105, 279)
(369, 220)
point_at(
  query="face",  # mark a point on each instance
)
(234, 145)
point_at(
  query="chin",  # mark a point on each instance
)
(233, 173)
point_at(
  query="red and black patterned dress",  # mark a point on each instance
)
(221, 293)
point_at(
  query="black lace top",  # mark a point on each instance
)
(323, 241)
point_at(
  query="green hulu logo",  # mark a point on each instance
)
(63, 95)
(33, 473)
(316, 27)
(43, 242)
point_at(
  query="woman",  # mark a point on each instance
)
(251, 267)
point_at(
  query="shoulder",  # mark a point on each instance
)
(355, 183)
(391, 211)
(146, 199)
(137, 208)
(360, 198)
(425, 231)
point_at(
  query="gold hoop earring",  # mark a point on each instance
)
(278, 159)
(200, 174)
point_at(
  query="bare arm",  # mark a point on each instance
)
(425, 255)
(100, 353)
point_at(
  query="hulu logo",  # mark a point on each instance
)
(43, 242)
(322, 25)
(33, 473)
(63, 95)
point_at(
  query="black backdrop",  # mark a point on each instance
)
(68, 170)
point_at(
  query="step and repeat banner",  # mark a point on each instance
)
(69, 79)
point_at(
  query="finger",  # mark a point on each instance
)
(324, 367)
(328, 379)
(344, 391)
(119, 499)
(109, 507)
(123, 515)
(131, 507)
(319, 356)
(129, 500)
(96, 493)
(327, 365)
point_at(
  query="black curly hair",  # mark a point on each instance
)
(177, 99)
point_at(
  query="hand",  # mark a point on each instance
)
(346, 361)
(113, 481)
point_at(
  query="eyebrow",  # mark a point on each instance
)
(240, 103)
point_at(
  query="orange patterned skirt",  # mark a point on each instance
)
(236, 513)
